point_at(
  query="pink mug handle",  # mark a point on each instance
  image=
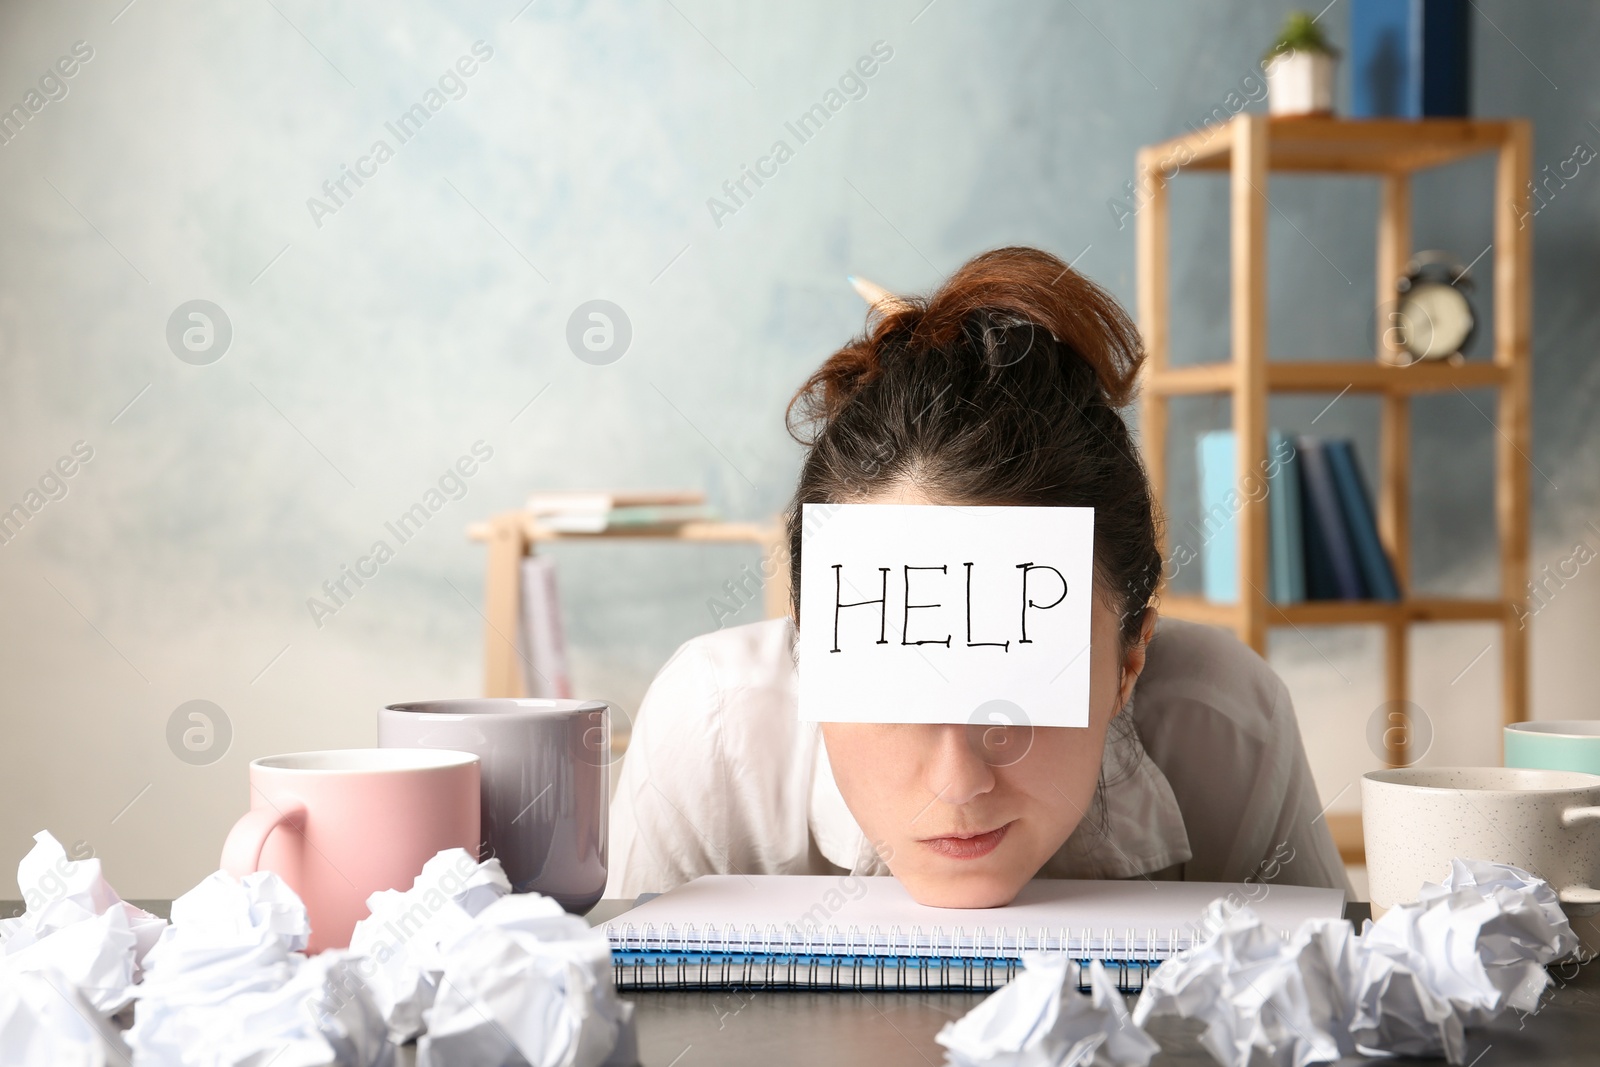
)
(241, 852)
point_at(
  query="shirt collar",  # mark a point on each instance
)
(1133, 828)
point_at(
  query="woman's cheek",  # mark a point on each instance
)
(1057, 778)
(864, 763)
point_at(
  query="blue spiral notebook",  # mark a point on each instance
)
(803, 931)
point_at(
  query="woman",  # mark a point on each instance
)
(1003, 387)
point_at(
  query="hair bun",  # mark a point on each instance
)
(977, 309)
(1002, 387)
(1017, 287)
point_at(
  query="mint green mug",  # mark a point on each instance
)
(1565, 745)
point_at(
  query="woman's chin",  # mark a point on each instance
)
(973, 890)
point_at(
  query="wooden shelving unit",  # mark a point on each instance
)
(512, 535)
(1249, 148)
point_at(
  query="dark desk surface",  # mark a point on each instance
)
(778, 1028)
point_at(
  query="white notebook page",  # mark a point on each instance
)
(787, 912)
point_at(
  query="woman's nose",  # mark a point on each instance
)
(957, 773)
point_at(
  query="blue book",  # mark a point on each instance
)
(1285, 558)
(1327, 517)
(1320, 584)
(1408, 58)
(1219, 517)
(1376, 570)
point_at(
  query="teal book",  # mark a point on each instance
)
(1285, 558)
(1219, 518)
(1356, 504)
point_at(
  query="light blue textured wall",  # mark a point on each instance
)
(373, 346)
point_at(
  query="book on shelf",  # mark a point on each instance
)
(1409, 59)
(1222, 498)
(1356, 504)
(542, 639)
(596, 512)
(1286, 553)
(1219, 517)
(1322, 537)
(560, 501)
(1320, 582)
(1327, 513)
(774, 931)
(624, 518)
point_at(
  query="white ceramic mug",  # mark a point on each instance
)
(1417, 819)
(1562, 745)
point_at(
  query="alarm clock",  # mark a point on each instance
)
(1435, 317)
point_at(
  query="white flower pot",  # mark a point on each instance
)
(1300, 83)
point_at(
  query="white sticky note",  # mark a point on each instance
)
(938, 614)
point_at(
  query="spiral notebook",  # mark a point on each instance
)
(766, 931)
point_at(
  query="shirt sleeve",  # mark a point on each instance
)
(1221, 726)
(718, 770)
(1294, 846)
(665, 821)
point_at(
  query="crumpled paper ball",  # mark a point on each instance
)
(227, 985)
(1399, 1014)
(402, 935)
(1292, 999)
(1481, 938)
(44, 1019)
(1036, 1020)
(1408, 985)
(76, 926)
(527, 985)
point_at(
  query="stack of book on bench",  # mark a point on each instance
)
(597, 512)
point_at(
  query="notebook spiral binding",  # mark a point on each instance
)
(714, 956)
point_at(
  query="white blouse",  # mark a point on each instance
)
(722, 777)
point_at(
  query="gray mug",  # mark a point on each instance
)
(546, 783)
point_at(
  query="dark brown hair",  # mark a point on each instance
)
(1001, 387)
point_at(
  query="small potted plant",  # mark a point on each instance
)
(1299, 69)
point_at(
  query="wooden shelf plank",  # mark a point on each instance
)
(1342, 612)
(1248, 317)
(1151, 231)
(1196, 378)
(1419, 609)
(1335, 613)
(1332, 376)
(1339, 146)
(1345, 826)
(1208, 147)
(1199, 609)
(1374, 377)
(1448, 609)
(1513, 312)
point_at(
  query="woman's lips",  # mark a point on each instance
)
(967, 846)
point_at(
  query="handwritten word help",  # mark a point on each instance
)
(926, 613)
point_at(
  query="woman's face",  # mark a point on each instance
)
(965, 815)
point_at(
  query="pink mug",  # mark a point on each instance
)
(340, 825)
